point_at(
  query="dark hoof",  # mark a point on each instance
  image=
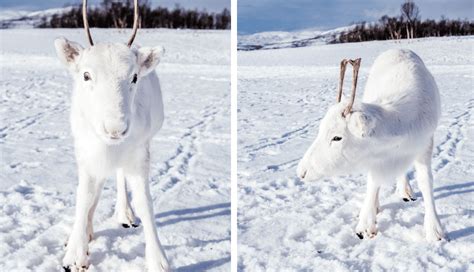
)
(126, 226)
(406, 199)
(67, 269)
(360, 235)
(135, 225)
(413, 199)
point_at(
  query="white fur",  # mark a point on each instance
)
(390, 130)
(113, 121)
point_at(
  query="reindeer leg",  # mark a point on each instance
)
(123, 212)
(404, 189)
(433, 228)
(367, 217)
(77, 246)
(137, 177)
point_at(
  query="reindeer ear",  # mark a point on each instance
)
(68, 52)
(148, 58)
(360, 124)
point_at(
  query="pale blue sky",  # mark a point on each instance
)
(268, 15)
(210, 5)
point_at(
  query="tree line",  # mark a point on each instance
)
(407, 25)
(119, 14)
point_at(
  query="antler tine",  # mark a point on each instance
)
(355, 74)
(341, 79)
(135, 23)
(86, 23)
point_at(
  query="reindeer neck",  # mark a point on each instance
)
(389, 124)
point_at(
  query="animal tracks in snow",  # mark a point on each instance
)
(178, 164)
(445, 152)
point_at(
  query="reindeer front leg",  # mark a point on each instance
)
(367, 217)
(88, 191)
(90, 216)
(137, 177)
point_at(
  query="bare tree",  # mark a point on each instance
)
(411, 13)
(392, 25)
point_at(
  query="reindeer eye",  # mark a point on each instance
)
(336, 138)
(135, 78)
(87, 76)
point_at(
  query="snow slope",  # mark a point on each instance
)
(190, 164)
(288, 225)
(285, 39)
(28, 19)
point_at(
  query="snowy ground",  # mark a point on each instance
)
(284, 39)
(14, 18)
(190, 176)
(287, 225)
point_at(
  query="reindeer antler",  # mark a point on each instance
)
(355, 73)
(86, 23)
(341, 79)
(135, 22)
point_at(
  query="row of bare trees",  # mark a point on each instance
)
(111, 13)
(411, 15)
(407, 25)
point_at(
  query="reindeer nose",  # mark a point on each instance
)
(303, 174)
(116, 131)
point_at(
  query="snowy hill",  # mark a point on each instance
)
(288, 225)
(190, 155)
(282, 39)
(27, 19)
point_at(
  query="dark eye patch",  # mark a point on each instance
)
(336, 138)
(135, 78)
(87, 76)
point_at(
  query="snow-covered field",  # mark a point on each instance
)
(287, 225)
(190, 167)
(14, 18)
(285, 39)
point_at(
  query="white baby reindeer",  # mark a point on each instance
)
(116, 109)
(384, 135)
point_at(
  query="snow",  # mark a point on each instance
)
(288, 39)
(190, 176)
(9, 14)
(12, 18)
(288, 225)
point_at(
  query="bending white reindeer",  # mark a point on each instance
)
(384, 135)
(116, 109)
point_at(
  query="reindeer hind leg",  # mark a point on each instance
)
(123, 211)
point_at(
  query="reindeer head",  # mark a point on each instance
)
(106, 76)
(341, 141)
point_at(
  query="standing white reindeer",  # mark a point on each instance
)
(116, 109)
(384, 135)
